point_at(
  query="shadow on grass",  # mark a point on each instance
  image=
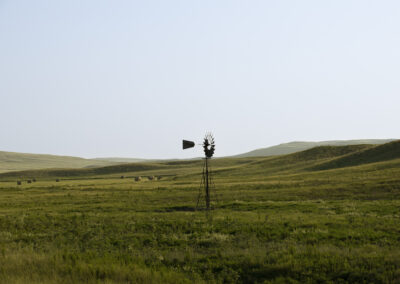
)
(180, 209)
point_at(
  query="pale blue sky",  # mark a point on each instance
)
(132, 78)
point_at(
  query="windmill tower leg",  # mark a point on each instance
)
(207, 187)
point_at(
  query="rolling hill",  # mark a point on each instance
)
(316, 159)
(292, 147)
(10, 161)
(369, 155)
(121, 160)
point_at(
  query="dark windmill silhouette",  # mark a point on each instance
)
(206, 180)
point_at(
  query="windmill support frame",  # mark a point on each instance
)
(206, 183)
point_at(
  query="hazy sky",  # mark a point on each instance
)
(132, 78)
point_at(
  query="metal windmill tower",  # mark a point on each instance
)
(206, 180)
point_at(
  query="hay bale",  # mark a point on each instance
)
(19, 182)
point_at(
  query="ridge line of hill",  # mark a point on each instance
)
(379, 153)
(315, 159)
(11, 161)
(297, 146)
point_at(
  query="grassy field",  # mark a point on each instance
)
(329, 214)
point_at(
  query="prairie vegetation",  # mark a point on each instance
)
(312, 216)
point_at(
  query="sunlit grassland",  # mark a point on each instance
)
(271, 222)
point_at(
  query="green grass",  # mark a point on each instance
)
(275, 220)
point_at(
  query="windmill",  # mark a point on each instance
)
(206, 180)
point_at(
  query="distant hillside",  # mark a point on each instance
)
(296, 162)
(385, 152)
(293, 147)
(80, 172)
(316, 159)
(10, 161)
(324, 152)
(121, 160)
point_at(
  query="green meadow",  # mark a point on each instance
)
(325, 215)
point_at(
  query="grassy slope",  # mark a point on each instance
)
(10, 161)
(276, 221)
(122, 160)
(297, 162)
(376, 154)
(292, 147)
